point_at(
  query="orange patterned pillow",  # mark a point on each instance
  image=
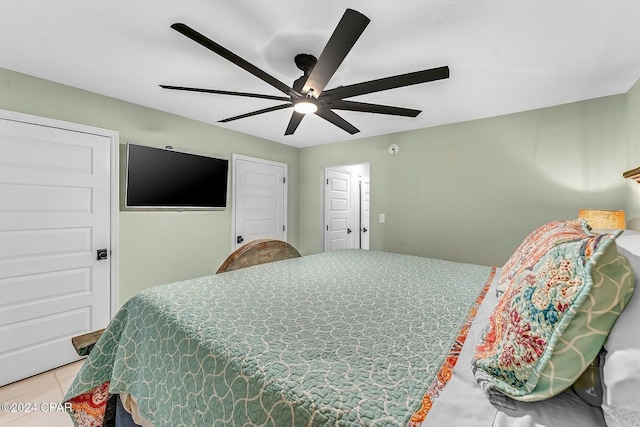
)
(538, 243)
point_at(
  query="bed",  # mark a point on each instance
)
(345, 338)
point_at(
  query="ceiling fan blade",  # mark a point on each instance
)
(230, 56)
(296, 118)
(332, 117)
(373, 108)
(255, 113)
(342, 40)
(387, 83)
(225, 92)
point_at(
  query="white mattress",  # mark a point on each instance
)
(463, 404)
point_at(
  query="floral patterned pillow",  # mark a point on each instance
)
(538, 243)
(550, 324)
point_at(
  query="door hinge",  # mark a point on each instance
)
(327, 181)
(284, 179)
(284, 228)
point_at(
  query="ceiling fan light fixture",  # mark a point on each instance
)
(305, 107)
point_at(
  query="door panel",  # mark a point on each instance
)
(338, 212)
(259, 201)
(33, 287)
(55, 212)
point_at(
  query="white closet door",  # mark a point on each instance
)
(259, 202)
(55, 214)
(338, 211)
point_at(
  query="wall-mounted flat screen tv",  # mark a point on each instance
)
(163, 178)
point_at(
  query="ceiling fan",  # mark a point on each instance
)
(308, 94)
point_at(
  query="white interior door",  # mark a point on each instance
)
(365, 213)
(260, 200)
(55, 214)
(338, 210)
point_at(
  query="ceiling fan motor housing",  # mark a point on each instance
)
(305, 62)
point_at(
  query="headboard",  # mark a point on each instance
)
(256, 252)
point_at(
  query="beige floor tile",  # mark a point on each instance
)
(37, 402)
(29, 387)
(39, 392)
(66, 374)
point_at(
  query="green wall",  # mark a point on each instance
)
(633, 156)
(472, 191)
(155, 247)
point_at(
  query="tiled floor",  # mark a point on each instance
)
(39, 392)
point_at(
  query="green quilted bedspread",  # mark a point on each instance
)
(346, 338)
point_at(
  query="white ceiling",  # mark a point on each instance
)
(504, 55)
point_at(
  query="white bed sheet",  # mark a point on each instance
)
(463, 404)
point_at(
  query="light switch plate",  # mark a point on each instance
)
(381, 218)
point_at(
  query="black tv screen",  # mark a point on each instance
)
(159, 178)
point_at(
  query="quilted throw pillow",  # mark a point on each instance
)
(538, 243)
(551, 322)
